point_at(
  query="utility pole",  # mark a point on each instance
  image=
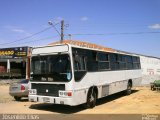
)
(62, 31)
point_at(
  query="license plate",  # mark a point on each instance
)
(14, 88)
(46, 99)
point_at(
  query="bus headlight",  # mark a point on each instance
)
(32, 91)
(65, 93)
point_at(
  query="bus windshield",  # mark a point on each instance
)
(51, 68)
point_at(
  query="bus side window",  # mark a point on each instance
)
(80, 63)
(136, 63)
(79, 67)
(122, 62)
(92, 61)
(114, 62)
(103, 61)
(129, 62)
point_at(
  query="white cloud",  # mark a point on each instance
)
(155, 26)
(21, 31)
(17, 29)
(84, 18)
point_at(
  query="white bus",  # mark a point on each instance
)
(75, 73)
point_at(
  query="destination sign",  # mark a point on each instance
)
(13, 52)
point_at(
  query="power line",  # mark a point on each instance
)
(39, 39)
(26, 37)
(29, 36)
(125, 33)
(50, 23)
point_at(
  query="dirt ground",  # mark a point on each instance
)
(141, 101)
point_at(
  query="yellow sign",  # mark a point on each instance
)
(9, 52)
(13, 52)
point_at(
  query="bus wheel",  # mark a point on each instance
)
(129, 90)
(17, 98)
(91, 99)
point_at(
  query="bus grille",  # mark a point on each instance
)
(48, 89)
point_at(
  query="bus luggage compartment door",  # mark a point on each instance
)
(105, 90)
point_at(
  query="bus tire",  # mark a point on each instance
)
(17, 98)
(129, 88)
(91, 99)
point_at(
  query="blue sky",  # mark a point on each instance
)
(22, 18)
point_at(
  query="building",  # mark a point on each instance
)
(150, 69)
(15, 62)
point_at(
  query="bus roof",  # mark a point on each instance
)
(82, 44)
(87, 45)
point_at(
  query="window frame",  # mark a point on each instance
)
(103, 61)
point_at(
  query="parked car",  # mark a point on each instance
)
(155, 84)
(19, 89)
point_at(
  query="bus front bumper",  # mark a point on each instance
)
(52, 100)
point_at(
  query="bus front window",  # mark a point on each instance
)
(51, 68)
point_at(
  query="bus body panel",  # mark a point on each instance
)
(116, 81)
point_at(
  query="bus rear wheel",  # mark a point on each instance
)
(91, 99)
(129, 88)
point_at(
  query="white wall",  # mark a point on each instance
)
(150, 69)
